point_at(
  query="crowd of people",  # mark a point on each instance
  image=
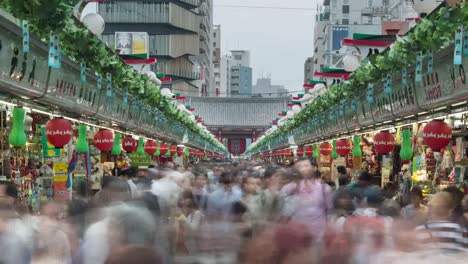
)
(236, 213)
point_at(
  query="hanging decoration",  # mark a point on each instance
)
(406, 152)
(59, 132)
(82, 143)
(55, 60)
(117, 147)
(430, 63)
(465, 43)
(83, 72)
(316, 151)
(129, 144)
(187, 152)
(419, 62)
(384, 142)
(404, 77)
(25, 29)
(458, 50)
(158, 151)
(141, 146)
(309, 151)
(300, 152)
(180, 151)
(17, 137)
(388, 84)
(437, 135)
(104, 140)
(163, 148)
(326, 148)
(343, 148)
(334, 153)
(357, 152)
(173, 150)
(370, 93)
(150, 147)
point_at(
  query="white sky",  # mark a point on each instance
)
(279, 40)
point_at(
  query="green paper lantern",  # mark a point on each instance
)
(187, 152)
(316, 152)
(117, 148)
(141, 148)
(334, 153)
(357, 152)
(82, 143)
(406, 151)
(17, 137)
(158, 152)
(168, 153)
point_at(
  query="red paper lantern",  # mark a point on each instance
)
(173, 150)
(59, 132)
(437, 135)
(343, 148)
(288, 153)
(104, 140)
(300, 152)
(180, 151)
(163, 148)
(326, 148)
(309, 151)
(384, 142)
(151, 147)
(129, 144)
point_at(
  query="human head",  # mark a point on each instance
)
(306, 167)
(80, 188)
(343, 180)
(201, 180)
(227, 180)
(373, 197)
(390, 189)
(179, 168)
(441, 206)
(187, 200)
(142, 173)
(250, 184)
(416, 195)
(365, 178)
(341, 171)
(457, 196)
(8, 194)
(274, 175)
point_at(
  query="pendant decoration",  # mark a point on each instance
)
(54, 51)
(25, 28)
(430, 63)
(404, 77)
(83, 72)
(388, 84)
(458, 50)
(419, 62)
(370, 93)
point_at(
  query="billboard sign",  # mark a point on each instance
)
(134, 44)
(338, 34)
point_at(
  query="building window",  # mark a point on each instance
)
(345, 2)
(214, 34)
(345, 9)
(214, 44)
(237, 57)
(333, 3)
(345, 22)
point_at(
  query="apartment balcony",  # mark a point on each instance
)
(190, 4)
(180, 68)
(152, 17)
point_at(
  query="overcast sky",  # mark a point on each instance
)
(279, 40)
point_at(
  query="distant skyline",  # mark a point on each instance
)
(279, 40)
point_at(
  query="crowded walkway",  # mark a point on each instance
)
(236, 213)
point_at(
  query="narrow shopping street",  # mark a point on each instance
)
(226, 132)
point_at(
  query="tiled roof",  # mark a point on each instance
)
(238, 112)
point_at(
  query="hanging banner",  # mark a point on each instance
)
(430, 63)
(108, 85)
(83, 72)
(457, 56)
(465, 43)
(370, 93)
(139, 160)
(54, 52)
(61, 192)
(404, 77)
(25, 28)
(419, 62)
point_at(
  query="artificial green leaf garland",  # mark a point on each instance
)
(316, 152)
(158, 151)
(82, 143)
(17, 137)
